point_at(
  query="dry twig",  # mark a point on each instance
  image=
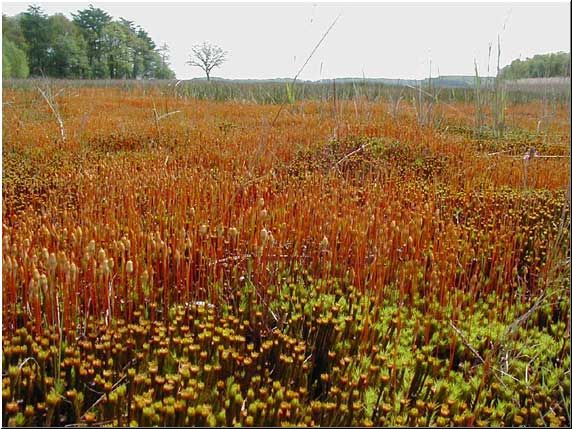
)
(55, 110)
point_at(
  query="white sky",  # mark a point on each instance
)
(272, 40)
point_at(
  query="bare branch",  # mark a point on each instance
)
(54, 108)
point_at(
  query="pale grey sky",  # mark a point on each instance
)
(271, 40)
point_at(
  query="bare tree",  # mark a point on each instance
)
(207, 56)
(164, 53)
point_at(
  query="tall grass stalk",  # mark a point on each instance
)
(499, 99)
(479, 103)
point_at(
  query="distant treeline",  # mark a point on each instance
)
(91, 46)
(546, 65)
(275, 91)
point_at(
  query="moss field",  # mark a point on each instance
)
(173, 261)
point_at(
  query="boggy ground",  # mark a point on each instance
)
(184, 262)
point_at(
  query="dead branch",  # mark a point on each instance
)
(359, 149)
(54, 108)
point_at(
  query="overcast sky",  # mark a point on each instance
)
(271, 40)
